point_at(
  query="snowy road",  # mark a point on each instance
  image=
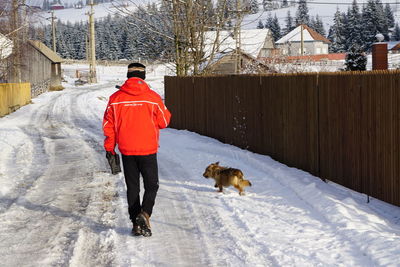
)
(59, 206)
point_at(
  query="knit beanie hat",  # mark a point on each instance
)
(136, 70)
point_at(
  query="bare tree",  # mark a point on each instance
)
(14, 25)
(184, 24)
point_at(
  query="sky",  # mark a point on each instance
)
(60, 206)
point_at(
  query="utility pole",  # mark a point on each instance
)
(92, 46)
(302, 40)
(53, 27)
(237, 34)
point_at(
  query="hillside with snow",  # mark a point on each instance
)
(325, 9)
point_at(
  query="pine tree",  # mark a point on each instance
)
(337, 34)
(275, 28)
(396, 32)
(318, 26)
(383, 22)
(302, 16)
(356, 60)
(389, 15)
(254, 8)
(374, 22)
(289, 23)
(353, 26)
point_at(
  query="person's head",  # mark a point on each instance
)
(136, 70)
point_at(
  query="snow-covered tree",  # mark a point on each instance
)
(396, 32)
(356, 60)
(302, 16)
(289, 26)
(275, 28)
(254, 8)
(354, 27)
(389, 15)
(317, 24)
(337, 34)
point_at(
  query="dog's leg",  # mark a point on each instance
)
(220, 188)
(241, 192)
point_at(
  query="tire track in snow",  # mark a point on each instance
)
(50, 215)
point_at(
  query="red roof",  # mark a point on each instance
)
(337, 56)
(315, 35)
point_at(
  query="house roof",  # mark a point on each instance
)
(309, 35)
(47, 52)
(394, 45)
(6, 46)
(335, 56)
(251, 41)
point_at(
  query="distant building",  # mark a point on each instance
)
(313, 42)
(394, 47)
(254, 42)
(225, 64)
(56, 5)
(41, 68)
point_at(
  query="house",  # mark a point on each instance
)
(41, 67)
(313, 43)
(225, 64)
(56, 5)
(394, 47)
(254, 42)
(220, 50)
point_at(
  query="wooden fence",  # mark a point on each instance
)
(13, 96)
(344, 127)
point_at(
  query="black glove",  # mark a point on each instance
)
(113, 160)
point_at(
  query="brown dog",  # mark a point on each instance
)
(225, 177)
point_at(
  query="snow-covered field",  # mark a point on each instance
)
(59, 206)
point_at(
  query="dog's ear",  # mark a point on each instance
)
(217, 163)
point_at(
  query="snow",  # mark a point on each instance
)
(252, 40)
(325, 9)
(60, 206)
(73, 15)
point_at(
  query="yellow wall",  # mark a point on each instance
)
(13, 96)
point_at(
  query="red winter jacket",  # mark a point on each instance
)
(133, 117)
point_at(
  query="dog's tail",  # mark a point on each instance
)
(244, 183)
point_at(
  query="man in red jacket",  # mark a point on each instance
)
(132, 120)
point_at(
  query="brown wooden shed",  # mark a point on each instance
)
(42, 68)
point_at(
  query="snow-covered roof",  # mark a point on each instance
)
(6, 46)
(47, 52)
(393, 45)
(309, 35)
(251, 41)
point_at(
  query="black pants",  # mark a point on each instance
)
(133, 167)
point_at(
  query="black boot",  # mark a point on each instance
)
(136, 230)
(143, 220)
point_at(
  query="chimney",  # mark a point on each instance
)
(379, 56)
